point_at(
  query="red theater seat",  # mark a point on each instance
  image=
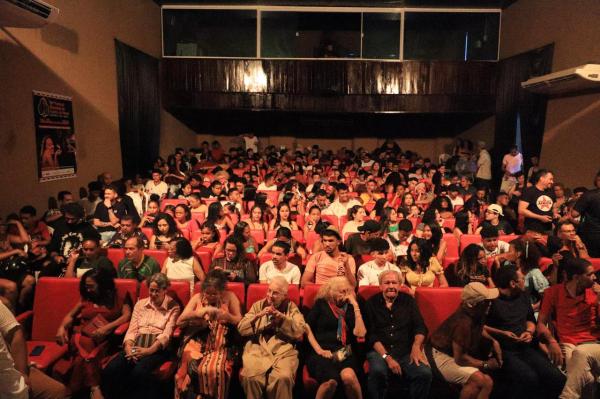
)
(259, 236)
(451, 245)
(437, 304)
(115, 255)
(237, 288)
(54, 298)
(308, 298)
(159, 254)
(148, 232)
(467, 239)
(205, 258)
(256, 292)
(178, 290)
(172, 201)
(311, 239)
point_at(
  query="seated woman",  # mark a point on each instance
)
(434, 235)
(217, 217)
(444, 207)
(235, 264)
(471, 267)
(284, 234)
(165, 230)
(145, 347)
(283, 218)
(257, 220)
(207, 354)
(183, 218)
(465, 223)
(356, 218)
(152, 211)
(242, 233)
(181, 264)
(527, 258)
(314, 218)
(332, 326)
(209, 238)
(87, 326)
(421, 268)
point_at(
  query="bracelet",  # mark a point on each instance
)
(484, 365)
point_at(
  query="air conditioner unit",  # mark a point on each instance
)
(574, 80)
(26, 13)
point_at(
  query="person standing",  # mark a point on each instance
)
(537, 203)
(512, 163)
(483, 176)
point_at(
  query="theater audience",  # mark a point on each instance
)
(109, 212)
(145, 346)
(587, 209)
(342, 203)
(395, 348)
(270, 359)
(332, 327)
(208, 239)
(156, 185)
(492, 220)
(357, 243)
(206, 357)
(69, 233)
(87, 327)
(537, 202)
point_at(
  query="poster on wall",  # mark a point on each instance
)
(54, 136)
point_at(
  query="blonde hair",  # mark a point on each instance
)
(333, 284)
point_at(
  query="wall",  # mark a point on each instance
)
(74, 57)
(572, 137)
(482, 131)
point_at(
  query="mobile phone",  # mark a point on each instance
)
(37, 350)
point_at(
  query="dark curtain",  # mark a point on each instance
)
(513, 101)
(139, 108)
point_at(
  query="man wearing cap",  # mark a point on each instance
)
(511, 320)
(368, 272)
(453, 348)
(492, 220)
(330, 262)
(396, 333)
(572, 307)
(357, 244)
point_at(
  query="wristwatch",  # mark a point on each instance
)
(385, 355)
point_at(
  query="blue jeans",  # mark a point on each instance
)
(418, 377)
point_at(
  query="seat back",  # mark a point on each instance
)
(451, 245)
(331, 219)
(309, 296)
(367, 291)
(437, 304)
(178, 290)
(256, 292)
(311, 238)
(259, 236)
(159, 254)
(115, 255)
(237, 288)
(54, 298)
(129, 286)
(148, 232)
(467, 239)
(596, 263)
(449, 223)
(508, 237)
(172, 201)
(205, 258)
(272, 195)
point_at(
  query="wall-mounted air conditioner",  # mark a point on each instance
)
(583, 78)
(26, 13)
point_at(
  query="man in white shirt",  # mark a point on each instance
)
(279, 265)
(492, 246)
(368, 272)
(454, 195)
(156, 185)
(340, 206)
(484, 166)
(268, 184)
(251, 142)
(512, 163)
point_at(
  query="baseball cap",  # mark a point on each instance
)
(496, 208)
(370, 226)
(474, 293)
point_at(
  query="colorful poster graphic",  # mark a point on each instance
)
(55, 136)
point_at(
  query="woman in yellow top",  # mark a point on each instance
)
(422, 268)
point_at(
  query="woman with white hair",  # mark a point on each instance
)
(333, 325)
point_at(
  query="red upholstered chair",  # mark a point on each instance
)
(115, 255)
(237, 288)
(178, 290)
(311, 239)
(448, 260)
(595, 263)
(308, 298)
(148, 232)
(451, 245)
(331, 219)
(259, 236)
(437, 304)
(130, 286)
(272, 195)
(415, 222)
(256, 292)
(159, 254)
(198, 217)
(172, 201)
(467, 239)
(449, 223)
(508, 237)
(54, 298)
(204, 257)
(367, 291)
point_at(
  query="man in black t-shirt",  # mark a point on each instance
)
(109, 213)
(537, 202)
(70, 232)
(588, 207)
(511, 321)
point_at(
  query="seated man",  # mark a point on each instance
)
(37, 230)
(340, 206)
(88, 257)
(270, 358)
(492, 246)
(572, 307)
(492, 220)
(17, 379)
(368, 273)
(397, 347)
(511, 321)
(70, 232)
(454, 348)
(129, 228)
(357, 243)
(330, 262)
(156, 185)
(109, 213)
(136, 264)
(400, 240)
(279, 265)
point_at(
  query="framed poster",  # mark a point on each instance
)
(56, 147)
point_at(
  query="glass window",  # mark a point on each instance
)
(451, 36)
(381, 35)
(209, 33)
(310, 35)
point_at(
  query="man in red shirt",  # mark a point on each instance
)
(573, 307)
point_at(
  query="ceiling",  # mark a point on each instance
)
(354, 3)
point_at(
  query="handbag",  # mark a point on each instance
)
(91, 326)
(145, 340)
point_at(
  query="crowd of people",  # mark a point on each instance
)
(526, 326)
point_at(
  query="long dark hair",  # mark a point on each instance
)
(468, 259)
(170, 221)
(425, 252)
(214, 212)
(107, 291)
(436, 236)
